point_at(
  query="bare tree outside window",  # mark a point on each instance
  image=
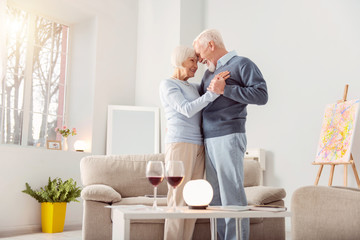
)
(33, 91)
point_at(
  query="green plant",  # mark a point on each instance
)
(55, 191)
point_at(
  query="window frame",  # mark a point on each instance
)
(28, 79)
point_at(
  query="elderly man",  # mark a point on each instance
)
(224, 122)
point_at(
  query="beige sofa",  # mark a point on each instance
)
(325, 213)
(120, 180)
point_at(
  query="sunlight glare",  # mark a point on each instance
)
(14, 25)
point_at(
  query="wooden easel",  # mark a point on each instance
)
(334, 164)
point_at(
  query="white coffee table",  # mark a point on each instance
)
(121, 216)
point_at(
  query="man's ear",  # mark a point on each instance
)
(211, 45)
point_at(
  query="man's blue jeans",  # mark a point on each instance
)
(224, 161)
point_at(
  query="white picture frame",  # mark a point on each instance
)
(133, 130)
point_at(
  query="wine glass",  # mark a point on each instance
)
(155, 174)
(174, 173)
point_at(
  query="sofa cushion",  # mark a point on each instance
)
(100, 193)
(252, 173)
(264, 195)
(124, 173)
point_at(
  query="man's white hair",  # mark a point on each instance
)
(180, 54)
(210, 35)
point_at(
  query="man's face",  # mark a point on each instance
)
(204, 54)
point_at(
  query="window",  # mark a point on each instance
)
(32, 91)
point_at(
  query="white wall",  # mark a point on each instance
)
(162, 26)
(307, 52)
(81, 84)
(19, 211)
(192, 22)
(103, 38)
(115, 62)
(158, 34)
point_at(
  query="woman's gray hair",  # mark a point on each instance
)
(180, 54)
(210, 35)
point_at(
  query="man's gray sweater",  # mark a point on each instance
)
(246, 85)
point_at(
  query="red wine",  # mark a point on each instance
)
(175, 180)
(155, 180)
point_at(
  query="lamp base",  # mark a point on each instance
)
(198, 207)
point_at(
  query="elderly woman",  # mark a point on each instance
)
(184, 141)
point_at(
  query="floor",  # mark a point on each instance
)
(66, 235)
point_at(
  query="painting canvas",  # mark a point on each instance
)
(337, 132)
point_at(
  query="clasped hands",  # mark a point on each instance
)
(218, 83)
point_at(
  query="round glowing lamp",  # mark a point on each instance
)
(198, 194)
(80, 146)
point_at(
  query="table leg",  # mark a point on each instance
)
(213, 228)
(238, 228)
(120, 226)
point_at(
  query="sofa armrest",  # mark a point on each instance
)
(263, 194)
(322, 212)
(100, 193)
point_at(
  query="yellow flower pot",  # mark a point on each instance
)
(53, 216)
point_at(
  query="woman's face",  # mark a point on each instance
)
(190, 67)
